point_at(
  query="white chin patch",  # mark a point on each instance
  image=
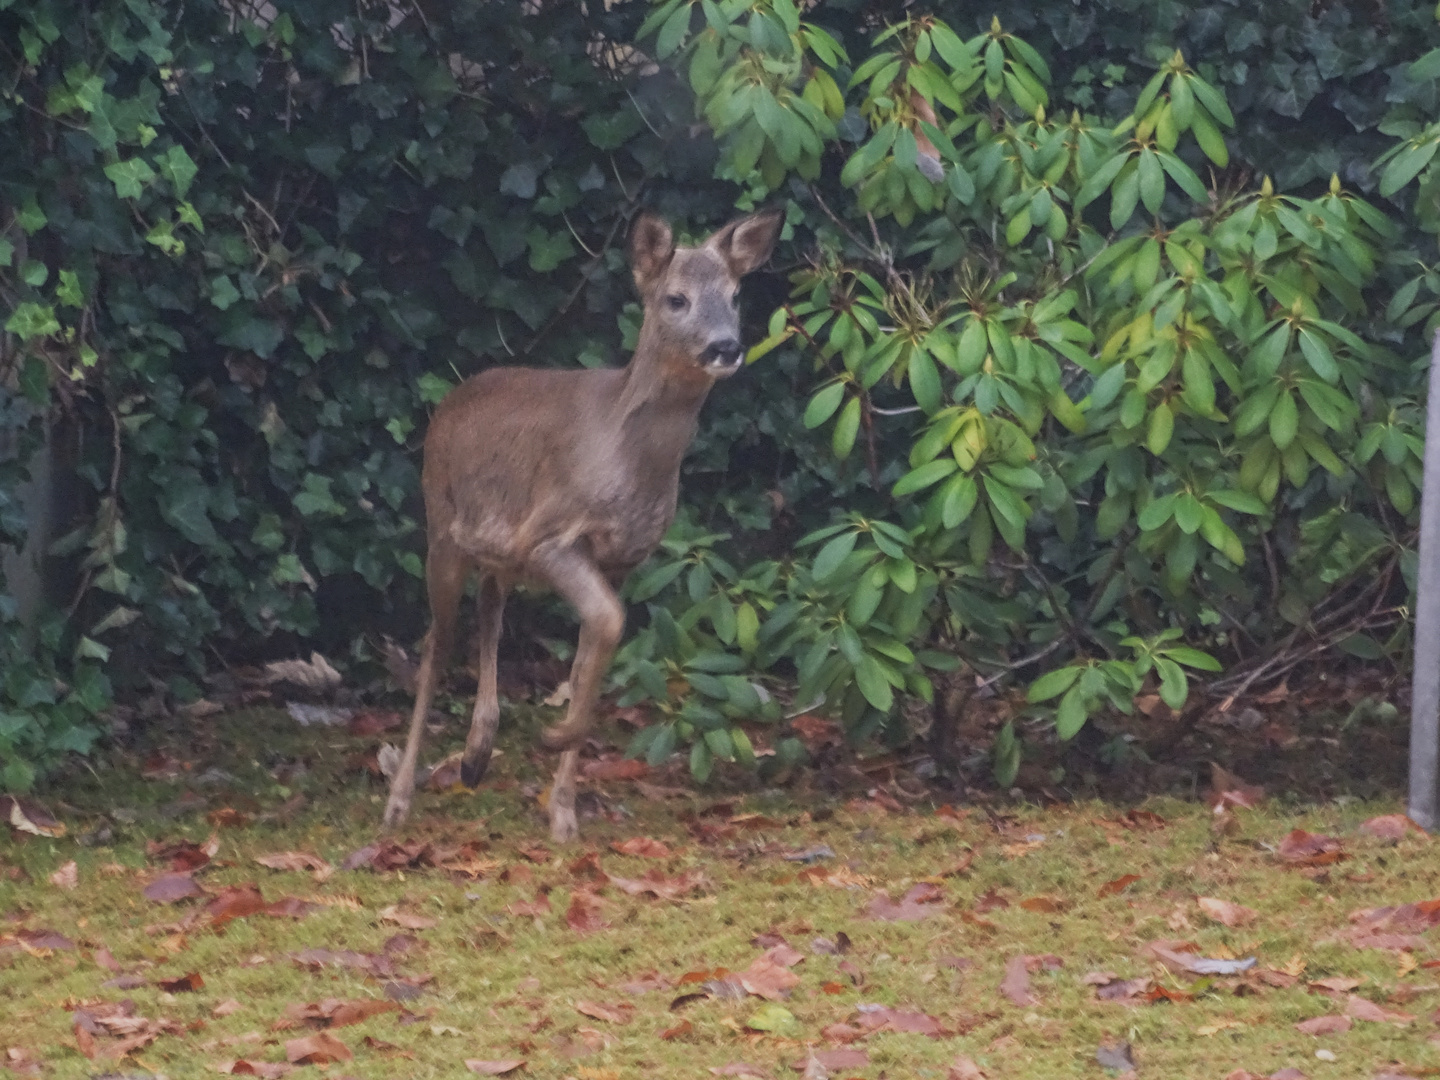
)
(722, 369)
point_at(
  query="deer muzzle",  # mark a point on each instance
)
(722, 358)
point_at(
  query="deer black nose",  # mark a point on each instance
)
(724, 353)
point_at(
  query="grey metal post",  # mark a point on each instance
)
(1425, 697)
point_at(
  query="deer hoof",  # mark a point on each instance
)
(561, 737)
(473, 771)
(396, 811)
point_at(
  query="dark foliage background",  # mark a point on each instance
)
(245, 247)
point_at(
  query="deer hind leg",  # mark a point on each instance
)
(602, 622)
(445, 571)
(486, 718)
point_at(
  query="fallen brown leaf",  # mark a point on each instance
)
(614, 768)
(67, 877)
(684, 1027)
(170, 888)
(494, 1068)
(266, 1070)
(184, 984)
(184, 856)
(536, 853)
(586, 912)
(1325, 1025)
(835, 1059)
(1016, 984)
(964, 1068)
(233, 902)
(334, 1012)
(1046, 905)
(28, 816)
(1301, 848)
(1119, 885)
(322, 1048)
(990, 900)
(1223, 911)
(1360, 1008)
(643, 846)
(406, 919)
(1391, 827)
(769, 975)
(919, 902)
(621, 1013)
(297, 861)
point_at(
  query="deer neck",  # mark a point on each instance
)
(664, 384)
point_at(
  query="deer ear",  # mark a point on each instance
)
(651, 246)
(745, 243)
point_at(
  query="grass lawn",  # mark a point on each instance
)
(1003, 939)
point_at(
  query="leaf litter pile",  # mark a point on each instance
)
(690, 934)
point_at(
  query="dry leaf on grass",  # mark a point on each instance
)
(1391, 827)
(67, 877)
(297, 861)
(1325, 1025)
(334, 1012)
(769, 975)
(964, 1068)
(1301, 848)
(1223, 911)
(494, 1068)
(846, 1058)
(614, 768)
(319, 1049)
(621, 1013)
(1360, 1008)
(658, 885)
(643, 846)
(407, 919)
(171, 888)
(1016, 984)
(184, 984)
(266, 1070)
(316, 675)
(919, 902)
(28, 816)
(586, 912)
(1119, 885)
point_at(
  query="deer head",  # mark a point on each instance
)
(691, 295)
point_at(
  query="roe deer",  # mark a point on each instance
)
(568, 480)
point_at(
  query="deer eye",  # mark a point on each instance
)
(676, 302)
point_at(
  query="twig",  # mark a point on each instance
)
(902, 411)
(584, 246)
(595, 259)
(1016, 665)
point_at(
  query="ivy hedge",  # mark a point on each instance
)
(1093, 357)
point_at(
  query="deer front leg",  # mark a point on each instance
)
(564, 827)
(602, 622)
(486, 719)
(445, 570)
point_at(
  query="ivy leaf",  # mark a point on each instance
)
(178, 167)
(519, 180)
(130, 177)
